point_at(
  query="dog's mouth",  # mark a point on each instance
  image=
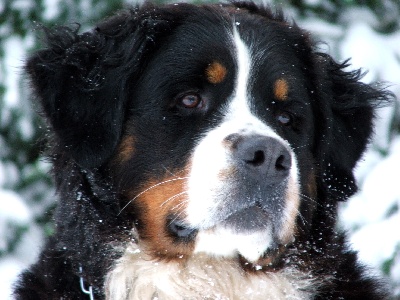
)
(252, 225)
(252, 222)
(247, 220)
(180, 230)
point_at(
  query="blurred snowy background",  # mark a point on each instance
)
(366, 30)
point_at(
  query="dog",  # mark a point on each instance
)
(199, 152)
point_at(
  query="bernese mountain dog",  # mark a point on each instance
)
(199, 152)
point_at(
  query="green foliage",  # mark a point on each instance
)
(387, 12)
(22, 133)
(14, 235)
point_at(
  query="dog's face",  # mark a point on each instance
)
(222, 126)
(217, 125)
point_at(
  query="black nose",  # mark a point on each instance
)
(261, 157)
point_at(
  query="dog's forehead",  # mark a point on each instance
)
(207, 48)
(197, 44)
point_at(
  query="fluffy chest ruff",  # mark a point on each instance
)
(138, 276)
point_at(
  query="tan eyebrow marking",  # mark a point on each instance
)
(281, 89)
(216, 73)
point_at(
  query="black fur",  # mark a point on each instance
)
(91, 89)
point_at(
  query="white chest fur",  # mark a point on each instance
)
(136, 276)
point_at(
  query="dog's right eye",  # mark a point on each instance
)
(191, 101)
(284, 118)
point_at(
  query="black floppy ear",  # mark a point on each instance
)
(347, 112)
(83, 109)
(80, 81)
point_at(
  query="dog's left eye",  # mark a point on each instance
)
(191, 101)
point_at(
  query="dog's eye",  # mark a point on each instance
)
(284, 118)
(191, 101)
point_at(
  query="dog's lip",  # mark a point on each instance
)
(250, 218)
(268, 261)
(258, 218)
(181, 229)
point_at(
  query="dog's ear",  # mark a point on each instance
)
(81, 81)
(346, 108)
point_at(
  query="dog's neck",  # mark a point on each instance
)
(137, 276)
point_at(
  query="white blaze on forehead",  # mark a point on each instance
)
(240, 99)
(239, 118)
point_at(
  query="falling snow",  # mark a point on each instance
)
(372, 216)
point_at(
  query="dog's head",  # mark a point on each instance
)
(222, 129)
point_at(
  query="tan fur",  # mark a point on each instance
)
(216, 73)
(158, 199)
(281, 89)
(137, 277)
(292, 204)
(126, 149)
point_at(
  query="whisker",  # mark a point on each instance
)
(150, 188)
(309, 198)
(287, 215)
(176, 173)
(168, 171)
(302, 146)
(178, 215)
(173, 197)
(301, 217)
(180, 204)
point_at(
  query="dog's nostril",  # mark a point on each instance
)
(258, 159)
(282, 163)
